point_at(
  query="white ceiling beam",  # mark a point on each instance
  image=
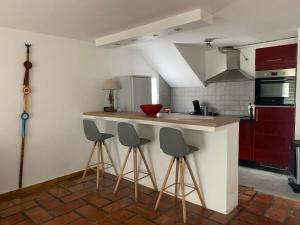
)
(188, 20)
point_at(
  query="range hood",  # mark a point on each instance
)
(233, 72)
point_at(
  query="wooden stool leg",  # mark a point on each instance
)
(176, 178)
(195, 182)
(181, 163)
(101, 158)
(110, 158)
(89, 160)
(164, 183)
(148, 169)
(122, 170)
(98, 166)
(135, 175)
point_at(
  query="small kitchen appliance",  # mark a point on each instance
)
(197, 110)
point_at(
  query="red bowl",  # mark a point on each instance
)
(151, 109)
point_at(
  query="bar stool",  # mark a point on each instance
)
(92, 134)
(129, 138)
(172, 143)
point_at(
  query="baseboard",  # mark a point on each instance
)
(259, 166)
(47, 183)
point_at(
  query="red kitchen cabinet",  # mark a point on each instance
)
(246, 139)
(276, 57)
(274, 127)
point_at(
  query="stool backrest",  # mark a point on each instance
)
(91, 130)
(128, 135)
(172, 142)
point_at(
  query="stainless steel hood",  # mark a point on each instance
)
(233, 72)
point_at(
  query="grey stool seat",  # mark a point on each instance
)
(92, 133)
(129, 138)
(172, 143)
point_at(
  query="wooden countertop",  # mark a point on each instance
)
(172, 118)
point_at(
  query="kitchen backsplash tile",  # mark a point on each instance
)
(228, 98)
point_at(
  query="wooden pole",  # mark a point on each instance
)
(21, 162)
(24, 115)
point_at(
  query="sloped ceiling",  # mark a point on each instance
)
(165, 57)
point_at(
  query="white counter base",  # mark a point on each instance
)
(215, 165)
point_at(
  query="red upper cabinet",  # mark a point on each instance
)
(277, 57)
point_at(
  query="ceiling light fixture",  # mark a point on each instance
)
(178, 29)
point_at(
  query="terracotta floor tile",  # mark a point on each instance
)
(91, 213)
(82, 186)
(58, 191)
(80, 203)
(4, 204)
(65, 208)
(119, 217)
(255, 219)
(194, 219)
(77, 195)
(25, 222)
(48, 201)
(280, 202)
(121, 193)
(197, 210)
(256, 207)
(250, 192)
(97, 200)
(80, 222)
(142, 210)
(38, 215)
(278, 213)
(263, 198)
(138, 220)
(223, 219)
(145, 189)
(244, 197)
(16, 218)
(64, 219)
(117, 205)
(165, 220)
(23, 199)
(17, 208)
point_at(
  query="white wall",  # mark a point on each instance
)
(215, 63)
(170, 64)
(194, 55)
(66, 80)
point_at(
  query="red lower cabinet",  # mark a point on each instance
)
(271, 141)
(266, 140)
(246, 139)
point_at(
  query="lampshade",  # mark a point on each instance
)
(111, 84)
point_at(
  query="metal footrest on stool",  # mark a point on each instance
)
(186, 185)
(92, 167)
(132, 171)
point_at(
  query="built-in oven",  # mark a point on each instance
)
(275, 87)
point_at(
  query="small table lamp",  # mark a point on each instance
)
(111, 85)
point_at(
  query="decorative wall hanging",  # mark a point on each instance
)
(25, 115)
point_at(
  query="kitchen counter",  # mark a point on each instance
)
(215, 164)
(208, 123)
